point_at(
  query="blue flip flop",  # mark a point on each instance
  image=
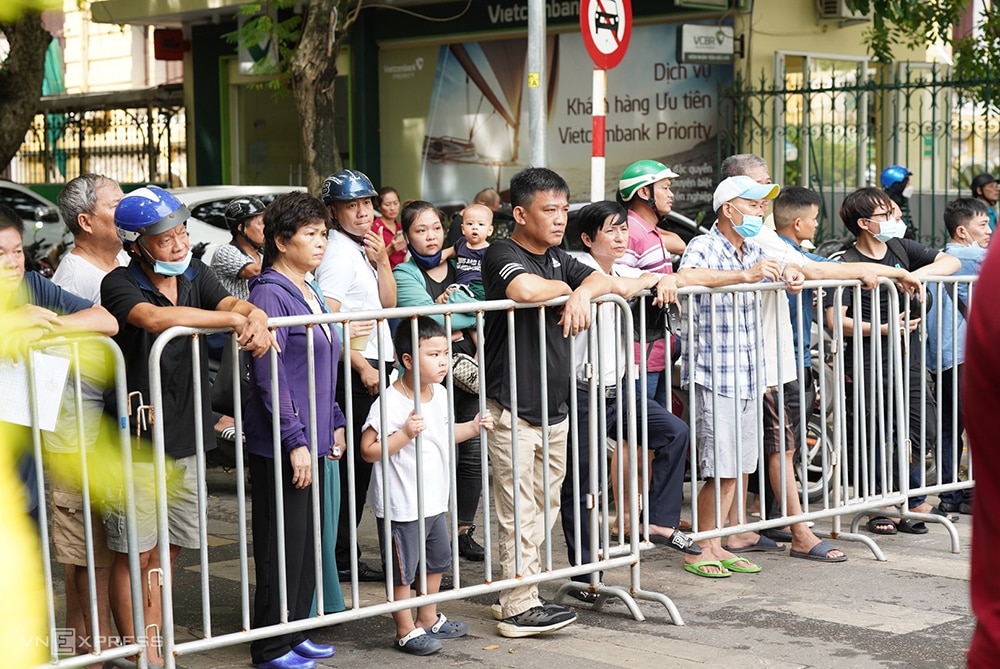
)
(819, 553)
(763, 545)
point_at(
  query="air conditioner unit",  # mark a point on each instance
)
(840, 11)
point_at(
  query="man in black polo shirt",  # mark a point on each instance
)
(530, 267)
(163, 287)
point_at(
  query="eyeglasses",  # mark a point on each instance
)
(885, 214)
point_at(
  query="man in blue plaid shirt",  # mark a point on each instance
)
(724, 365)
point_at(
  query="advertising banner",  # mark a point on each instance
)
(454, 117)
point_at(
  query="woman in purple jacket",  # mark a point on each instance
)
(294, 241)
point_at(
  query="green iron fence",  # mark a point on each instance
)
(836, 133)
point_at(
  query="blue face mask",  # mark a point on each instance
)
(750, 226)
(427, 262)
(890, 229)
(172, 267)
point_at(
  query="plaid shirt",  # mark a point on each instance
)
(736, 370)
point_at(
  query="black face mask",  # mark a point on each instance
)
(427, 262)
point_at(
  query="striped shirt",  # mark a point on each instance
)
(735, 361)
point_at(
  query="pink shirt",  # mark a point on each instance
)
(647, 253)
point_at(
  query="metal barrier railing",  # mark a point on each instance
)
(861, 468)
(117, 451)
(604, 555)
(936, 392)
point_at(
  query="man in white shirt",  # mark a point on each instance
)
(87, 204)
(355, 275)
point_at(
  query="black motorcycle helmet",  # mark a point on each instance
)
(240, 210)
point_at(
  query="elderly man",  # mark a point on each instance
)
(725, 372)
(87, 204)
(163, 287)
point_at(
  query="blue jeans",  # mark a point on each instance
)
(668, 440)
(949, 466)
(656, 387)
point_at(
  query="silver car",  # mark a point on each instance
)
(207, 225)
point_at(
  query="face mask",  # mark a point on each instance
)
(427, 262)
(172, 268)
(908, 192)
(891, 229)
(750, 226)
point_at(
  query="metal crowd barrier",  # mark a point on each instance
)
(62, 641)
(606, 554)
(935, 385)
(855, 439)
(845, 441)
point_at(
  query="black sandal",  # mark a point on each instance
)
(910, 526)
(678, 541)
(881, 525)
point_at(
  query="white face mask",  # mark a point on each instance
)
(890, 229)
(908, 192)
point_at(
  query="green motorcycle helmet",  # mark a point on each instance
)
(642, 173)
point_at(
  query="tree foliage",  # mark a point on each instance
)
(301, 53)
(916, 24)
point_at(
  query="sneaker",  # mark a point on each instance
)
(497, 610)
(468, 547)
(534, 621)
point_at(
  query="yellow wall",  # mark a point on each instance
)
(98, 56)
(792, 26)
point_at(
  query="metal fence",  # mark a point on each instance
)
(835, 130)
(863, 452)
(132, 136)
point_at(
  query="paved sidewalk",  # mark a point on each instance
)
(911, 611)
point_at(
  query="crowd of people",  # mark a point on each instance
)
(131, 275)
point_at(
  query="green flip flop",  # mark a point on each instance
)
(698, 569)
(731, 565)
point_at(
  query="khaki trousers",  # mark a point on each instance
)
(533, 498)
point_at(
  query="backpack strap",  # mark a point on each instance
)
(899, 250)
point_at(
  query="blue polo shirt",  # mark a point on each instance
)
(808, 310)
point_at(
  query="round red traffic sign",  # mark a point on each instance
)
(606, 27)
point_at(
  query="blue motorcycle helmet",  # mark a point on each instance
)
(146, 211)
(347, 185)
(892, 175)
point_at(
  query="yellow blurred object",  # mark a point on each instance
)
(11, 10)
(22, 623)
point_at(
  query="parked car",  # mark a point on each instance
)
(207, 225)
(46, 237)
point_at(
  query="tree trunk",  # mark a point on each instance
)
(21, 77)
(313, 76)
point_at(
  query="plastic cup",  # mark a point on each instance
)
(359, 343)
